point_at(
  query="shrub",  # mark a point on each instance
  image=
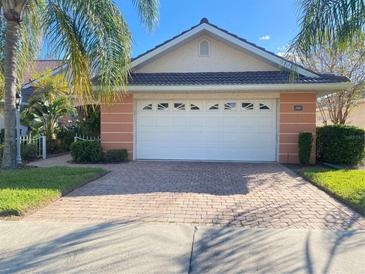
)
(66, 137)
(340, 144)
(29, 152)
(86, 152)
(115, 156)
(1, 152)
(52, 146)
(305, 147)
(2, 135)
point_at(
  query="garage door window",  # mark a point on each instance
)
(194, 107)
(213, 107)
(230, 106)
(147, 107)
(264, 107)
(179, 106)
(163, 106)
(247, 106)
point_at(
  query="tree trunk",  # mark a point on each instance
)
(11, 42)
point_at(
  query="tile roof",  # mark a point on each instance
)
(229, 78)
(39, 67)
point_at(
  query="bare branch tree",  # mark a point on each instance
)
(349, 62)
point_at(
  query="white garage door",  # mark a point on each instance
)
(240, 130)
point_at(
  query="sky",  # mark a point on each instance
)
(271, 24)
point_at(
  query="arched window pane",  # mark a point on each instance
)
(204, 48)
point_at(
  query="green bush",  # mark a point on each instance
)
(29, 152)
(340, 144)
(55, 146)
(305, 147)
(1, 152)
(2, 135)
(65, 137)
(52, 146)
(115, 156)
(86, 152)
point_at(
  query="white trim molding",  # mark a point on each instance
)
(238, 88)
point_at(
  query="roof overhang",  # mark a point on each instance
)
(54, 72)
(226, 36)
(324, 87)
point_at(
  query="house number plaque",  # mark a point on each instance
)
(298, 107)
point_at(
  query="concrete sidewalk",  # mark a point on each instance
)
(167, 248)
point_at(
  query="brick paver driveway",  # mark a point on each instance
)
(249, 195)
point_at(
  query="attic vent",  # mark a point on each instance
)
(204, 48)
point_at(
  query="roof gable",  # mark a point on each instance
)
(209, 29)
(221, 57)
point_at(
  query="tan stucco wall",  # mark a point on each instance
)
(223, 57)
(292, 122)
(356, 117)
(116, 125)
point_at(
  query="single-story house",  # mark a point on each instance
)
(207, 94)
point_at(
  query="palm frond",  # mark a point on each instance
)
(66, 39)
(148, 12)
(337, 21)
(94, 38)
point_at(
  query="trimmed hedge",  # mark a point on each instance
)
(340, 144)
(86, 152)
(91, 152)
(305, 147)
(115, 156)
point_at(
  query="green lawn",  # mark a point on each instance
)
(21, 190)
(346, 185)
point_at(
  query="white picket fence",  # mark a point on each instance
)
(79, 137)
(40, 143)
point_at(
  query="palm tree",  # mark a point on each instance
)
(43, 116)
(50, 102)
(337, 21)
(91, 35)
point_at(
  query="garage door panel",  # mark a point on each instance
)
(205, 134)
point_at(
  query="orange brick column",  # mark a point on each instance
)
(116, 125)
(293, 122)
